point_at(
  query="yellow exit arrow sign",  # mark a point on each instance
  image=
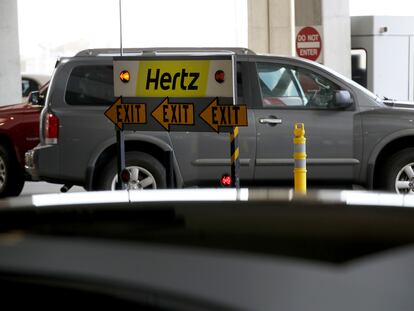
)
(120, 113)
(168, 114)
(217, 116)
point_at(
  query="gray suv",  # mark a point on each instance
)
(353, 137)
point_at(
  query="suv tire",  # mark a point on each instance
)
(398, 172)
(145, 170)
(11, 175)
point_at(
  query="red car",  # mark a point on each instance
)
(19, 132)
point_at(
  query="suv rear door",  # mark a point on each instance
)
(293, 93)
(84, 92)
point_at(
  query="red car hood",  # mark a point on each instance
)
(14, 107)
(10, 110)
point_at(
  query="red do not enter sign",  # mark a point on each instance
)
(308, 43)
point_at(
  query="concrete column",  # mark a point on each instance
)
(332, 18)
(271, 25)
(308, 12)
(258, 25)
(10, 76)
(282, 27)
(274, 24)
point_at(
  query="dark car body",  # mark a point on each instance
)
(202, 249)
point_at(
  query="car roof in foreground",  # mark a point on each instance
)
(217, 249)
(319, 197)
(228, 216)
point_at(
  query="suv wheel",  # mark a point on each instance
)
(399, 172)
(11, 175)
(146, 172)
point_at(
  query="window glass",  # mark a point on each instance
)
(278, 85)
(278, 82)
(90, 85)
(28, 85)
(359, 66)
(239, 83)
(319, 92)
(285, 86)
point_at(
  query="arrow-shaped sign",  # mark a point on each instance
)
(120, 113)
(217, 116)
(168, 114)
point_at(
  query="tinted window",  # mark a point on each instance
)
(28, 85)
(285, 86)
(239, 82)
(90, 85)
(359, 66)
(319, 92)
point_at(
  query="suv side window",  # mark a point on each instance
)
(90, 85)
(286, 86)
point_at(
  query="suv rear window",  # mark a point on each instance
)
(90, 85)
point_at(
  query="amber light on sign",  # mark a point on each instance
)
(219, 76)
(124, 76)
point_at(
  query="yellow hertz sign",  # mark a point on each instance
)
(174, 78)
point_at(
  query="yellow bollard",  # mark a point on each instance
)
(299, 155)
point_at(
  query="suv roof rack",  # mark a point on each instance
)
(164, 51)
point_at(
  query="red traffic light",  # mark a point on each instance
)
(225, 180)
(125, 176)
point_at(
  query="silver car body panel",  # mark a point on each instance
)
(342, 144)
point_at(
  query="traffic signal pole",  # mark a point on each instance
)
(234, 135)
(120, 136)
(235, 162)
(120, 143)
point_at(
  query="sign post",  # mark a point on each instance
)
(234, 135)
(120, 140)
(179, 93)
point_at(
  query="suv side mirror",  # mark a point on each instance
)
(342, 99)
(35, 98)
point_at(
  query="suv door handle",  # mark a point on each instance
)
(271, 121)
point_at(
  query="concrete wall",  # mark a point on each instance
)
(388, 42)
(336, 24)
(10, 79)
(273, 24)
